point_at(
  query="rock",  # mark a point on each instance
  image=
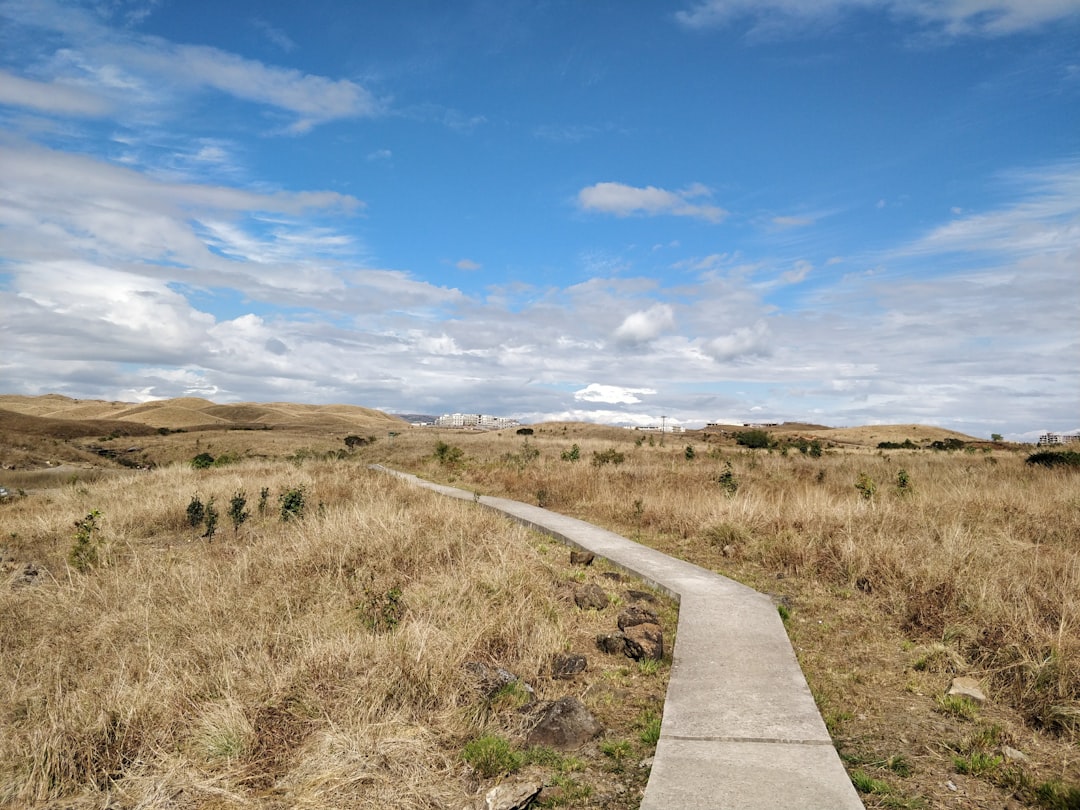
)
(590, 596)
(1013, 755)
(644, 641)
(30, 575)
(511, 795)
(646, 763)
(967, 687)
(612, 643)
(614, 576)
(636, 614)
(581, 557)
(489, 680)
(640, 596)
(565, 726)
(567, 666)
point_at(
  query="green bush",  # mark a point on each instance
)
(609, 456)
(573, 454)
(202, 461)
(238, 510)
(291, 502)
(1055, 458)
(196, 511)
(754, 439)
(727, 480)
(448, 455)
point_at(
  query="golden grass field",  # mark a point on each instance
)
(166, 671)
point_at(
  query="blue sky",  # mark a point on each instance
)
(839, 211)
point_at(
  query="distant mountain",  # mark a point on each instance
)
(415, 417)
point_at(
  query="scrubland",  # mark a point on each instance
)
(320, 660)
(313, 652)
(899, 569)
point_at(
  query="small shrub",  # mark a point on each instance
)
(448, 455)
(573, 454)
(203, 461)
(689, 453)
(727, 480)
(491, 756)
(903, 482)
(211, 520)
(609, 456)
(291, 502)
(196, 511)
(238, 510)
(866, 486)
(84, 551)
(264, 497)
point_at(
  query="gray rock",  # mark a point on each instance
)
(511, 796)
(590, 596)
(1013, 755)
(567, 666)
(581, 557)
(611, 643)
(640, 596)
(565, 726)
(968, 688)
(636, 614)
(644, 641)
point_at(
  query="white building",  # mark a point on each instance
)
(1059, 438)
(478, 421)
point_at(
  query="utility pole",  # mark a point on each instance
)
(663, 429)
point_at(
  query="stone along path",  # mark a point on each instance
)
(740, 727)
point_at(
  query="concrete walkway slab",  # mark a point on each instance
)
(740, 727)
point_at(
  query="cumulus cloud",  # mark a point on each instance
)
(744, 342)
(623, 201)
(612, 394)
(467, 264)
(955, 17)
(645, 325)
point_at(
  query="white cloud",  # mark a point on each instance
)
(744, 342)
(623, 200)
(126, 68)
(645, 325)
(957, 17)
(50, 97)
(467, 264)
(612, 394)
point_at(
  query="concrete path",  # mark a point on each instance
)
(740, 728)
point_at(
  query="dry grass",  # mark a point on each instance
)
(978, 556)
(270, 666)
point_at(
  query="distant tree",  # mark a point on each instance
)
(995, 437)
(524, 431)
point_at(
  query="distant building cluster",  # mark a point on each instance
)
(1059, 438)
(661, 428)
(475, 421)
